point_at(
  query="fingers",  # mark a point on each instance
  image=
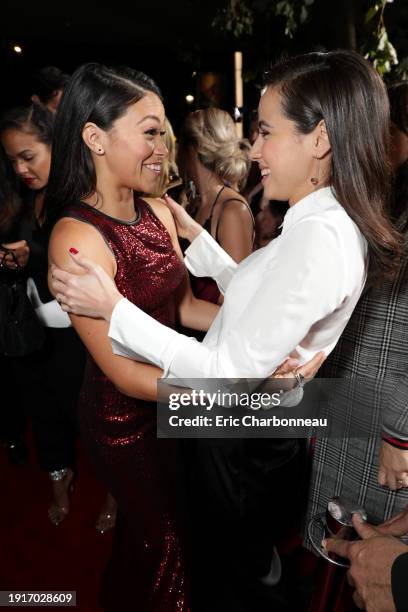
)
(310, 369)
(364, 529)
(382, 477)
(83, 262)
(15, 245)
(339, 547)
(397, 528)
(172, 205)
(60, 275)
(287, 367)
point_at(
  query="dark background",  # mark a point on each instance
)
(174, 42)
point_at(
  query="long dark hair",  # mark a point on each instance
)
(398, 95)
(33, 119)
(345, 91)
(98, 94)
(46, 81)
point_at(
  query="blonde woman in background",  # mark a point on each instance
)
(217, 162)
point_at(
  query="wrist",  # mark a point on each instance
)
(395, 442)
(110, 305)
(194, 230)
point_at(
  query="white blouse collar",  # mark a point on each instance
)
(319, 200)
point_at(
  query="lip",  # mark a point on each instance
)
(155, 168)
(29, 179)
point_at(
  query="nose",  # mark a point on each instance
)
(20, 167)
(255, 153)
(161, 148)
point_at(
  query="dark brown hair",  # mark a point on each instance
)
(345, 91)
(96, 93)
(398, 95)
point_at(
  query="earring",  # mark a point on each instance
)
(315, 179)
(100, 150)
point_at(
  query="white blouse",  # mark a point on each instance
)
(292, 297)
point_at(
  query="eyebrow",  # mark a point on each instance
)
(263, 123)
(149, 117)
(20, 153)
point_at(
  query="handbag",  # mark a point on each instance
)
(21, 332)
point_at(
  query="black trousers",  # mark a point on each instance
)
(244, 494)
(49, 382)
(12, 414)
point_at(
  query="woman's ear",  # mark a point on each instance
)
(322, 145)
(92, 136)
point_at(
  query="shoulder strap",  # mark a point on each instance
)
(217, 197)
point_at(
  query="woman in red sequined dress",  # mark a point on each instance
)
(108, 145)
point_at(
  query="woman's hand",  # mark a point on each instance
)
(186, 226)
(91, 294)
(393, 471)
(21, 252)
(290, 367)
(396, 526)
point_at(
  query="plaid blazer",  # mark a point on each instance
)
(374, 345)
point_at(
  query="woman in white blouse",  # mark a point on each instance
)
(323, 148)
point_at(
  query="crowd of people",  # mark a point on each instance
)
(283, 256)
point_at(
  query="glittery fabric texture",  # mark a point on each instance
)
(146, 571)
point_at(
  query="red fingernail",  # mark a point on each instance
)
(73, 251)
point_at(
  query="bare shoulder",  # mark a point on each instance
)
(235, 209)
(162, 212)
(71, 233)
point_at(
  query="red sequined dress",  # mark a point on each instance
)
(146, 571)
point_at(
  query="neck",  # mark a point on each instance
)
(117, 202)
(208, 186)
(303, 193)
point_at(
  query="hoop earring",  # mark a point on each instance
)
(315, 179)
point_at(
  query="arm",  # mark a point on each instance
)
(129, 377)
(277, 319)
(204, 257)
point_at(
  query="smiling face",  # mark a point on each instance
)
(29, 157)
(133, 149)
(285, 157)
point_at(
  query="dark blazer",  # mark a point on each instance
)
(373, 347)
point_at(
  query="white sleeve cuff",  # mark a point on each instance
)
(205, 257)
(136, 335)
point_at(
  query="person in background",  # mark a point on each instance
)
(48, 379)
(379, 563)
(373, 349)
(12, 414)
(212, 157)
(47, 86)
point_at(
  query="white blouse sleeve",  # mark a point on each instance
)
(302, 285)
(205, 257)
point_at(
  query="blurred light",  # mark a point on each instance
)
(17, 49)
(189, 98)
(194, 74)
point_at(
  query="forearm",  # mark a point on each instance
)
(142, 385)
(197, 314)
